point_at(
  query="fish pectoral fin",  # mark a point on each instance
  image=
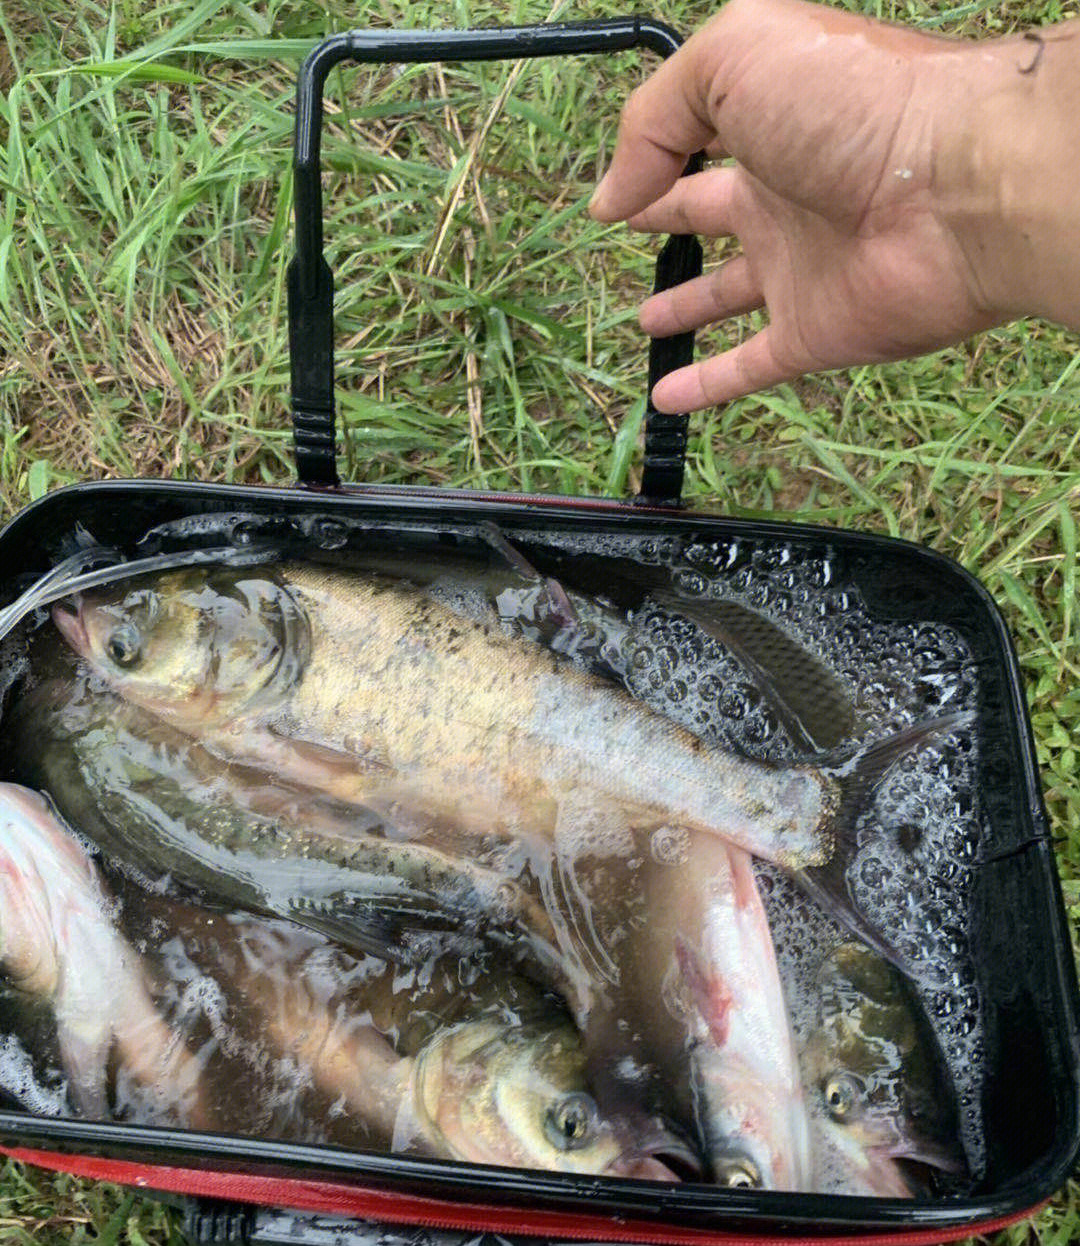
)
(347, 776)
(363, 756)
(84, 1053)
(579, 911)
(397, 928)
(587, 827)
(358, 779)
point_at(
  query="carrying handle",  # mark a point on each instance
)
(311, 283)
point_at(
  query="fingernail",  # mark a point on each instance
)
(664, 400)
(658, 398)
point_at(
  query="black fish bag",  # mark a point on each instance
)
(246, 1189)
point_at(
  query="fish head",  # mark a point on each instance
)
(756, 1131)
(195, 645)
(496, 1093)
(880, 1087)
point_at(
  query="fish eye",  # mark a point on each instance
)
(842, 1093)
(569, 1124)
(124, 645)
(738, 1172)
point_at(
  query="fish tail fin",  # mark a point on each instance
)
(859, 774)
(827, 886)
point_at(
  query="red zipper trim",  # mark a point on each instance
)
(335, 1198)
(627, 506)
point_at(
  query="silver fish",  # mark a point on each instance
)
(884, 1104)
(373, 693)
(453, 1059)
(59, 944)
(721, 973)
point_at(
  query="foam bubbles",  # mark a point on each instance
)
(917, 845)
(44, 1095)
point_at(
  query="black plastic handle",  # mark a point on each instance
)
(311, 283)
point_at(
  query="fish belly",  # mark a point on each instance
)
(744, 1059)
(440, 711)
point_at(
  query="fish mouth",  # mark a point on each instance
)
(907, 1171)
(927, 1153)
(915, 1156)
(889, 1177)
(671, 1161)
(68, 616)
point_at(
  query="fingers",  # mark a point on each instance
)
(663, 123)
(744, 369)
(703, 203)
(729, 290)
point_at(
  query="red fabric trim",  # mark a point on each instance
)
(627, 506)
(336, 1198)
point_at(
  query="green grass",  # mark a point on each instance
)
(144, 227)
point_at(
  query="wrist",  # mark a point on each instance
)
(1006, 183)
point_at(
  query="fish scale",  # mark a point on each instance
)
(456, 717)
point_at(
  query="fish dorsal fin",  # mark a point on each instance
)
(809, 702)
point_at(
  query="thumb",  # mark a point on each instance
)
(662, 124)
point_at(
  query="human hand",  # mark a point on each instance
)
(868, 208)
